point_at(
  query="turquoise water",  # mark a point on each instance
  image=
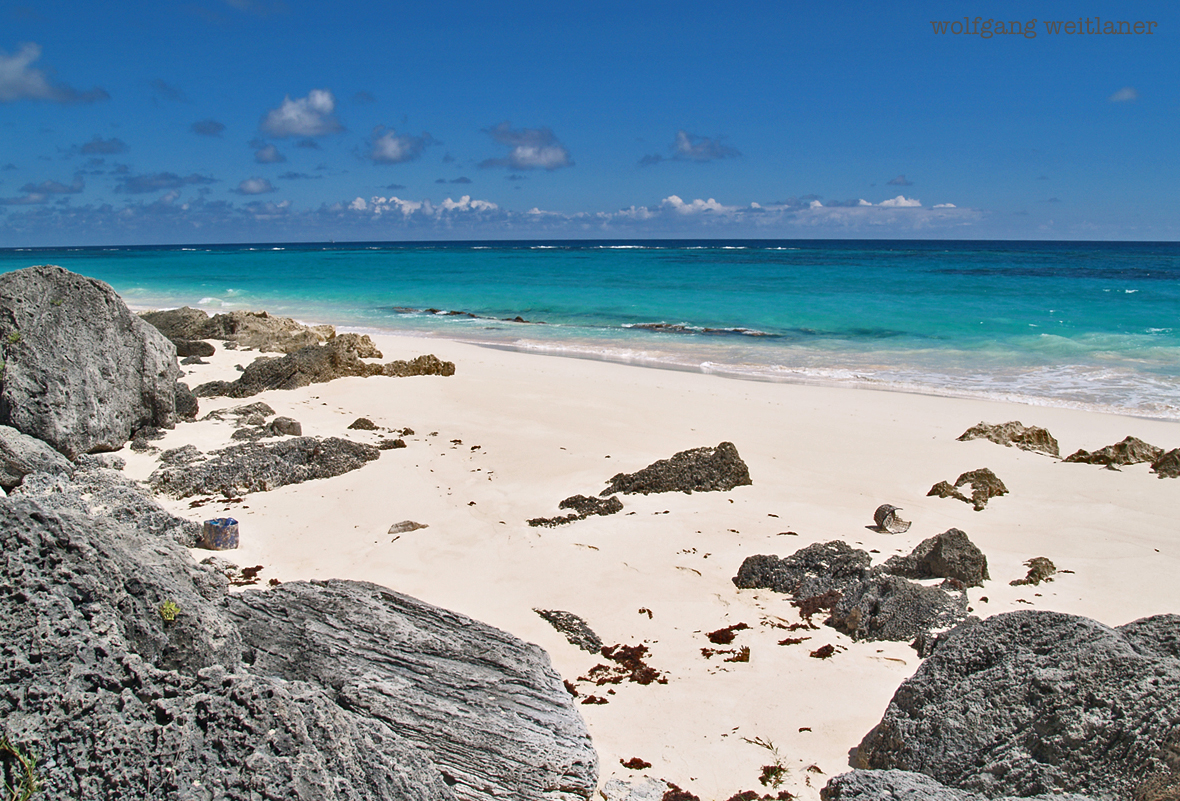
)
(1092, 325)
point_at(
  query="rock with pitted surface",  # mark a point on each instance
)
(187, 406)
(577, 631)
(903, 785)
(315, 364)
(257, 467)
(1131, 450)
(984, 486)
(246, 329)
(809, 572)
(582, 506)
(1168, 465)
(486, 709)
(81, 372)
(885, 607)
(698, 470)
(950, 554)
(21, 454)
(1027, 438)
(1040, 702)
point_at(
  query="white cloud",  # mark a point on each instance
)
(532, 149)
(1124, 95)
(269, 155)
(313, 115)
(900, 202)
(386, 147)
(944, 206)
(21, 81)
(255, 186)
(698, 206)
(423, 209)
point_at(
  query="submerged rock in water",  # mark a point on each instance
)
(984, 486)
(256, 467)
(1130, 451)
(1027, 438)
(697, 470)
(315, 364)
(81, 372)
(1033, 702)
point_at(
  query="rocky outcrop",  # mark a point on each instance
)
(246, 329)
(1040, 702)
(278, 427)
(256, 467)
(1027, 438)
(875, 785)
(187, 406)
(81, 372)
(486, 709)
(582, 506)
(809, 572)
(950, 554)
(885, 607)
(984, 486)
(1131, 450)
(315, 364)
(698, 470)
(21, 454)
(1168, 465)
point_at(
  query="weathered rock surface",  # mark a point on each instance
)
(885, 607)
(193, 349)
(984, 486)
(698, 470)
(950, 554)
(808, 572)
(485, 708)
(577, 631)
(1027, 438)
(21, 454)
(582, 506)
(278, 427)
(252, 414)
(81, 372)
(187, 406)
(1040, 568)
(902, 785)
(257, 467)
(1040, 702)
(246, 329)
(1131, 450)
(315, 364)
(1168, 465)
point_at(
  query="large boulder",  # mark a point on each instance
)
(811, 571)
(950, 554)
(246, 329)
(1040, 702)
(21, 454)
(487, 709)
(697, 470)
(80, 372)
(876, 785)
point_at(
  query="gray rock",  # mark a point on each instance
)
(1131, 450)
(286, 427)
(362, 424)
(486, 709)
(984, 486)
(108, 460)
(315, 364)
(81, 372)
(582, 506)
(809, 572)
(187, 360)
(950, 554)
(193, 348)
(405, 526)
(577, 632)
(701, 470)
(1035, 702)
(21, 454)
(246, 414)
(1040, 568)
(1168, 465)
(892, 608)
(1027, 438)
(256, 467)
(902, 785)
(245, 329)
(187, 406)
(646, 789)
(185, 454)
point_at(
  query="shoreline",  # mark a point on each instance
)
(534, 430)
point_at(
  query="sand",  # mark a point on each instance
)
(511, 434)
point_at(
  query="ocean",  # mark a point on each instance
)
(1093, 325)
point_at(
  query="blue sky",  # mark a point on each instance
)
(283, 120)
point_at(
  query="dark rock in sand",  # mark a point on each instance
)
(809, 572)
(886, 607)
(279, 427)
(984, 485)
(187, 360)
(582, 507)
(406, 526)
(950, 554)
(193, 349)
(256, 467)
(185, 454)
(1040, 702)
(877, 785)
(576, 630)
(246, 414)
(700, 470)
(21, 454)
(486, 709)
(1027, 438)
(1130, 451)
(187, 407)
(1168, 465)
(391, 444)
(81, 372)
(340, 357)
(1040, 568)
(362, 424)
(246, 329)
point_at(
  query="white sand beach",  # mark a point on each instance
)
(511, 434)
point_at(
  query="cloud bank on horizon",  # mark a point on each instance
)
(268, 121)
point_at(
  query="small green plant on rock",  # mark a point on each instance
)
(169, 610)
(21, 780)
(13, 337)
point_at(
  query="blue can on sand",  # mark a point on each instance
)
(219, 534)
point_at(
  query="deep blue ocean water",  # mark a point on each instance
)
(1085, 324)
